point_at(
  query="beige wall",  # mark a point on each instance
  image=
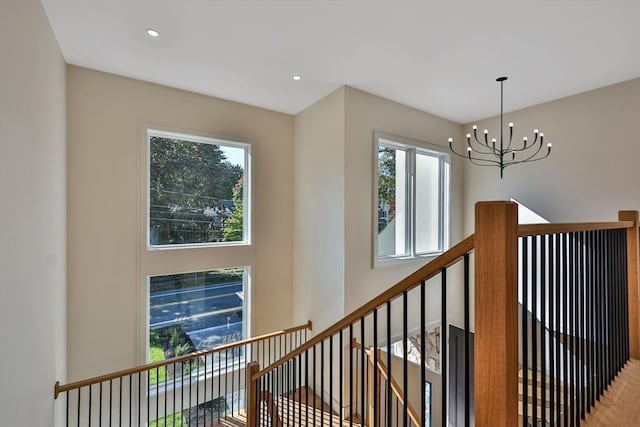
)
(593, 169)
(319, 212)
(32, 225)
(106, 294)
(366, 113)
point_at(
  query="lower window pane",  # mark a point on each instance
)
(195, 311)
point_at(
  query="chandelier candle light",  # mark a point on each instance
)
(482, 152)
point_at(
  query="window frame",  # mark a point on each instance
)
(166, 260)
(413, 147)
(202, 139)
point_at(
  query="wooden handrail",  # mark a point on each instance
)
(539, 229)
(426, 272)
(146, 367)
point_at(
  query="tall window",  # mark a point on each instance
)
(412, 190)
(198, 190)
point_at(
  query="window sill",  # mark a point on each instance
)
(395, 261)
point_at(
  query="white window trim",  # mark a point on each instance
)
(444, 197)
(198, 138)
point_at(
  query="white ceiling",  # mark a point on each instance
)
(438, 56)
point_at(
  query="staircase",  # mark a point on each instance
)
(581, 278)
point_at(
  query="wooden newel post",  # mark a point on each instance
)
(496, 314)
(632, 281)
(252, 394)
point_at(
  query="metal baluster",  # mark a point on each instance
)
(389, 396)
(543, 327)
(443, 342)
(525, 330)
(534, 329)
(467, 346)
(565, 351)
(423, 356)
(375, 415)
(362, 373)
(405, 356)
(553, 336)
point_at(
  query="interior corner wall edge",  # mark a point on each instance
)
(319, 167)
(32, 185)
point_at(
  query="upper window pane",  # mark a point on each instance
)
(197, 190)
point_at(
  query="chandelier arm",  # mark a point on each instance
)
(456, 153)
(534, 154)
(529, 159)
(486, 143)
(469, 144)
(474, 160)
(510, 138)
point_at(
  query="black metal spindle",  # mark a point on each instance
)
(100, 404)
(557, 239)
(362, 370)
(565, 331)
(552, 329)
(341, 376)
(389, 391)
(79, 398)
(525, 330)
(543, 327)
(330, 378)
(571, 329)
(534, 329)
(306, 382)
(405, 357)
(314, 384)
(130, 400)
(120, 402)
(110, 401)
(467, 345)
(577, 328)
(443, 343)
(423, 356)
(581, 335)
(322, 380)
(139, 401)
(376, 421)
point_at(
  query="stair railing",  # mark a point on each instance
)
(200, 388)
(587, 258)
(325, 367)
(575, 328)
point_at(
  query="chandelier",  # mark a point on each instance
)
(484, 152)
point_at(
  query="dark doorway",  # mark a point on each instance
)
(456, 378)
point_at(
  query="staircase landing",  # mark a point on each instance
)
(619, 407)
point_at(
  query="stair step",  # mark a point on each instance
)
(530, 409)
(539, 376)
(548, 394)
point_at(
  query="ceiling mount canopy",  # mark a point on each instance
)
(500, 153)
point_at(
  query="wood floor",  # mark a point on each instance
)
(620, 405)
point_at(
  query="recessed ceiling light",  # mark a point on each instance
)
(297, 77)
(152, 32)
